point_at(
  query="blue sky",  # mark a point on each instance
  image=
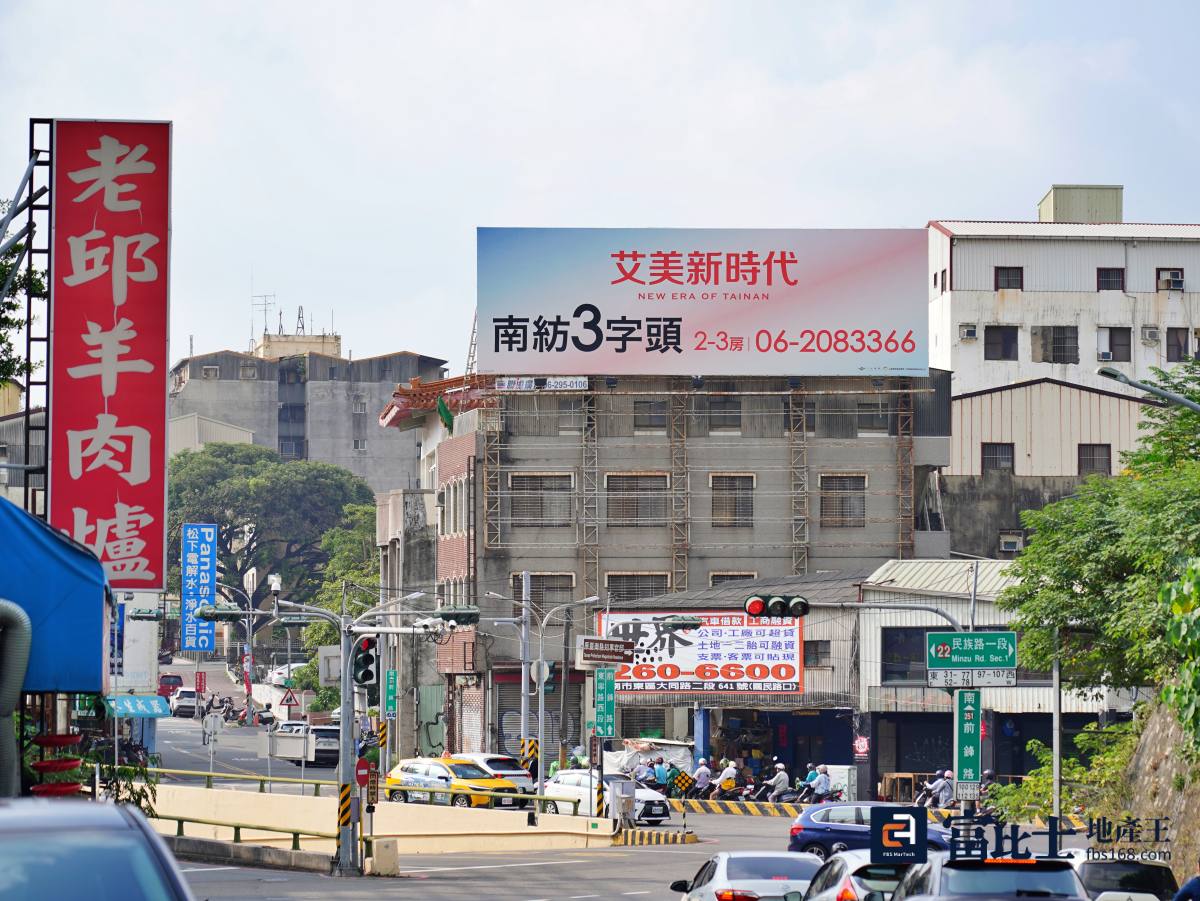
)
(343, 154)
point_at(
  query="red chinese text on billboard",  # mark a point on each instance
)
(108, 353)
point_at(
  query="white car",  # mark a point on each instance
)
(183, 702)
(766, 875)
(649, 806)
(281, 674)
(297, 727)
(504, 767)
(1119, 880)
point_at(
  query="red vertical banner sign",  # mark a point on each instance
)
(110, 216)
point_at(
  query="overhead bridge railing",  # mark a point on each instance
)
(238, 827)
(246, 777)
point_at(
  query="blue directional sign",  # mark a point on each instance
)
(137, 706)
(198, 568)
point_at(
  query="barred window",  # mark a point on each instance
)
(570, 416)
(816, 653)
(546, 590)
(732, 500)
(1009, 277)
(873, 417)
(715, 579)
(637, 500)
(541, 500)
(635, 586)
(649, 415)
(997, 457)
(724, 414)
(1110, 279)
(1095, 458)
(843, 501)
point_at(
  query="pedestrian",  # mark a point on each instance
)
(1190, 891)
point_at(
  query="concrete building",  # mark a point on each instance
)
(1023, 313)
(192, 431)
(632, 488)
(12, 451)
(296, 394)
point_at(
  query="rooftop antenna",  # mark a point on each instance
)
(300, 320)
(264, 302)
(191, 345)
(281, 322)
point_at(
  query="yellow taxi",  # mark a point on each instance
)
(453, 781)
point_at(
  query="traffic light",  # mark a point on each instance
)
(365, 664)
(460, 616)
(776, 605)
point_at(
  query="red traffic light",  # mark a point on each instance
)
(367, 644)
(756, 606)
(776, 606)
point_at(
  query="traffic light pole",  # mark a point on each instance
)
(347, 863)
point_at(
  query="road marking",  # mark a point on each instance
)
(635, 893)
(494, 866)
(206, 869)
(578, 897)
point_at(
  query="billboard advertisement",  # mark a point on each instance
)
(198, 584)
(731, 651)
(770, 302)
(110, 222)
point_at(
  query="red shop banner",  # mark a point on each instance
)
(110, 215)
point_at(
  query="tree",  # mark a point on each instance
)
(271, 515)
(12, 360)
(1172, 434)
(353, 558)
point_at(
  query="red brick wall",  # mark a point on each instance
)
(452, 457)
(452, 557)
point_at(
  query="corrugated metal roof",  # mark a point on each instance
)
(969, 228)
(941, 577)
(839, 586)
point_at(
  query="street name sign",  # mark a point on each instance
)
(593, 650)
(970, 659)
(389, 697)
(604, 686)
(968, 744)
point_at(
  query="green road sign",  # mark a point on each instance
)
(389, 695)
(971, 650)
(604, 685)
(968, 745)
(289, 683)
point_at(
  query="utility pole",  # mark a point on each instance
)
(525, 601)
(562, 688)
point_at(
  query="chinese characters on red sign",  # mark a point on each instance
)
(108, 354)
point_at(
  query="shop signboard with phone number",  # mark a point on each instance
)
(731, 651)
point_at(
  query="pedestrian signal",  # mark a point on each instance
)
(776, 605)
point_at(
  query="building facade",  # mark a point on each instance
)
(307, 405)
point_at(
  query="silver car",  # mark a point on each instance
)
(770, 875)
(502, 766)
(850, 874)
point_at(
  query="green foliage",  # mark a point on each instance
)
(1092, 570)
(353, 558)
(271, 514)
(1095, 781)
(1181, 602)
(12, 317)
(1172, 433)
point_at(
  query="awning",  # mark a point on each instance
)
(137, 706)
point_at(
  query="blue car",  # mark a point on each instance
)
(825, 829)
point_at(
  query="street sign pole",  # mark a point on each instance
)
(968, 744)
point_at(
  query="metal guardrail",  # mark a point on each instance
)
(238, 827)
(247, 777)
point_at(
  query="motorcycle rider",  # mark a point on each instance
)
(703, 777)
(821, 788)
(779, 783)
(941, 790)
(728, 774)
(984, 806)
(642, 773)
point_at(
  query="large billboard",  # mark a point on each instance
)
(110, 221)
(731, 651)
(779, 302)
(197, 584)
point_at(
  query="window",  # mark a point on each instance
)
(816, 653)
(1110, 279)
(360, 444)
(637, 500)
(809, 409)
(1095, 458)
(360, 406)
(732, 500)
(1116, 341)
(635, 586)
(1055, 343)
(570, 416)
(935, 276)
(291, 449)
(945, 284)
(4, 459)
(843, 501)
(247, 371)
(333, 373)
(1168, 279)
(210, 372)
(715, 579)
(546, 590)
(997, 457)
(725, 414)
(999, 342)
(542, 500)
(1177, 345)
(649, 416)
(1009, 277)
(291, 413)
(873, 417)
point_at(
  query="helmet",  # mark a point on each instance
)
(822, 769)
(949, 774)
(989, 774)
(780, 766)
(703, 762)
(811, 767)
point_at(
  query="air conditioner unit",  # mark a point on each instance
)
(1170, 284)
(1150, 334)
(1104, 355)
(1010, 544)
(968, 331)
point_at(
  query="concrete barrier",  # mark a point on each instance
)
(407, 828)
(207, 850)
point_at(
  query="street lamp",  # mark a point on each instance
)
(1111, 372)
